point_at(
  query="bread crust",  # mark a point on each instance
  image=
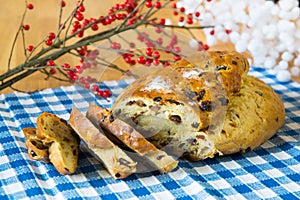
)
(254, 115)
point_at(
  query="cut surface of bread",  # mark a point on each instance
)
(62, 140)
(117, 163)
(197, 111)
(36, 149)
(131, 138)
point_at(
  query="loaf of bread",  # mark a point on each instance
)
(117, 163)
(200, 109)
(63, 142)
(131, 138)
(36, 149)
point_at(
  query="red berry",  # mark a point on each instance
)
(115, 45)
(132, 45)
(205, 47)
(72, 75)
(81, 8)
(174, 5)
(26, 27)
(212, 32)
(133, 62)
(159, 41)
(66, 66)
(51, 36)
(106, 93)
(149, 51)
(181, 19)
(93, 20)
(62, 26)
(95, 88)
(63, 4)
(130, 22)
(177, 49)
(50, 63)
(49, 42)
(155, 62)
(148, 4)
(175, 13)
(120, 16)
(79, 16)
(197, 14)
(99, 92)
(78, 68)
(162, 21)
(157, 5)
(148, 62)
(30, 47)
(182, 9)
(80, 34)
(95, 27)
(189, 21)
(177, 57)
(81, 52)
(30, 6)
(76, 25)
(53, 71)
(112, 18)
(158, 29)
(166, 64)
(156, 55)
(128, 59)
(141, 60)
(85, 22)
(228, 31)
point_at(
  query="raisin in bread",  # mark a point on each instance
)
(36, 149)
(196, 110)
(117, 163)
(131, 138)
(63, 142)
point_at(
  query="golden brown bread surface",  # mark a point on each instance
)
(198, 110)
(63, 142)
(253, 116)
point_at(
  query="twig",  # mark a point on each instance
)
(16, 37)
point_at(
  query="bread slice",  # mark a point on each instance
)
(62, 140)
(36, 149)
(117, 163)
(131, 138)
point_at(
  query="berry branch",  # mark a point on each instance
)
(121, 18)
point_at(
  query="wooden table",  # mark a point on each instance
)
(42, 19)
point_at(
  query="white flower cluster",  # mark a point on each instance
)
(269, 31)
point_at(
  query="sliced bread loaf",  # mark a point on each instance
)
(131, 138)
(117, 163)
(197, 110)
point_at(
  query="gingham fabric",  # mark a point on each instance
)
(272, 171)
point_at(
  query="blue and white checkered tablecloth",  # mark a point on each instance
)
(272, 171)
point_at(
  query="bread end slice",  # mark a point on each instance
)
(62, 140)
(36, 149)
